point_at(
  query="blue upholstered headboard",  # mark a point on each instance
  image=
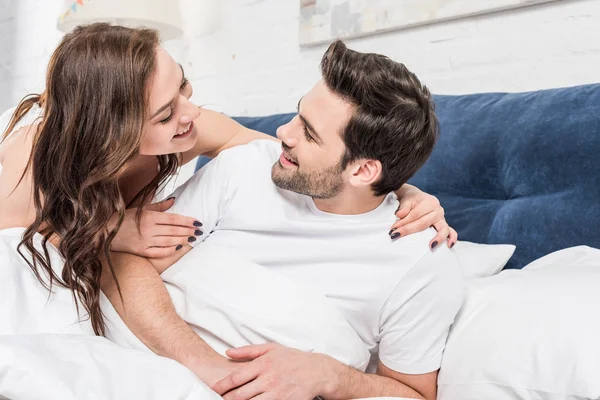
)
(520, 168)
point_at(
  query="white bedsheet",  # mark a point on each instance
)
(47, 352)
(75, 367)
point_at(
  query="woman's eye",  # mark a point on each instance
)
(168, 119)
(183, 86)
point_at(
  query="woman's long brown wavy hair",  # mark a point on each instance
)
(94, 111)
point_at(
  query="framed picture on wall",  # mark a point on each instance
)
(324, 20)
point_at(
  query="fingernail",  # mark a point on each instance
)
(179, 247)
(395, 236)
(197, 223)
(198, 232)
(171, 198)
(434, 245)
(191, 239)
(392, 231)
(452, 244)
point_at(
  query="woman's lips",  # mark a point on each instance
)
(186, 133)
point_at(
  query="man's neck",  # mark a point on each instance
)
(350, 203)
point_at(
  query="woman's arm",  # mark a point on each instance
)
(146, 308)
(418, 211)
(218, 132)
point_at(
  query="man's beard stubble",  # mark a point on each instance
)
(324, 184)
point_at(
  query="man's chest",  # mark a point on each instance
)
(355, 266)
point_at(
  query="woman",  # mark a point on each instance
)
(112, 126)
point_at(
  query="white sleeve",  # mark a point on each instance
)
(207, 194)
(416, 318)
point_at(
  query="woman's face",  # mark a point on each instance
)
(170, 128)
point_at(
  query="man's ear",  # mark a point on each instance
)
(365, 172)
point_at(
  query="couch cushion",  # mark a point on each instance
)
(519, 168)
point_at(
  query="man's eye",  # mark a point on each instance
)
(184, 84)
(307, 135)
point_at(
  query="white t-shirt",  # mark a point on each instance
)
(399, 296)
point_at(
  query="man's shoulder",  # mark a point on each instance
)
(257, 152)
(236, 167)
(436, 272)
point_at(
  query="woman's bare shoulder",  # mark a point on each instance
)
(19, 139)
(16, 206)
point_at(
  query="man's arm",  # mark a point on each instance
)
(349, 383)
(218, 132)
(279, 371)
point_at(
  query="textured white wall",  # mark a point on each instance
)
(252, 65)
(28, 35)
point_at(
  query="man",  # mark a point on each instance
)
(313, 208)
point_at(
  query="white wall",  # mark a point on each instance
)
(252, 64)
(28, 36)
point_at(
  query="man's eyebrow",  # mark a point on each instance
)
(163, 108)
(308, 125)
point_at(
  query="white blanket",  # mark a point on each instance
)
(228, 301)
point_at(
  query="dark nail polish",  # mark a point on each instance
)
(434, 245)
(197, 223)
(179, 247)
(395, 236)
(198, 232)
(171, 198)
(191, 239)
(452, 244)
(392, 231)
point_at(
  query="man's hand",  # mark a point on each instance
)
(214, 369)
(275, 372)
(418, 211)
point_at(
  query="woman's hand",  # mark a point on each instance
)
(417, 212)
(160, 234)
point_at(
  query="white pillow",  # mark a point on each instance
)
(481, 260)
(529, 334)
(232, 302)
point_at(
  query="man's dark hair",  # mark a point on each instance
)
(394, 120)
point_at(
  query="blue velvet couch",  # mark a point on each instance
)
(520, 168)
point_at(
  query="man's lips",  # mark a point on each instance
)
(285, 161)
